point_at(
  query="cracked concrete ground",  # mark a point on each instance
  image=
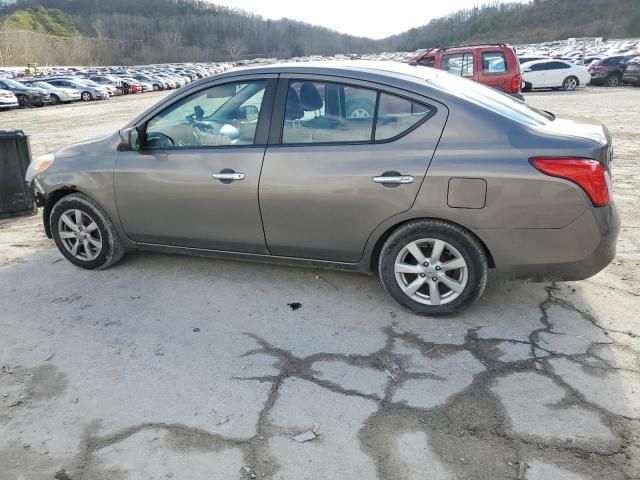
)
(189, 368)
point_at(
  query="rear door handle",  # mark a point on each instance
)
(400, 179)
(228, 176)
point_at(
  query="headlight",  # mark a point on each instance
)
(39, 165)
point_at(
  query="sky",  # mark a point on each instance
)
(360, 18)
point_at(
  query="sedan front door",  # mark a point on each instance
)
(342, 158)
(194, 181)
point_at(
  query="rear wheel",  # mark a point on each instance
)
(614, 80)
(570, 83)
(84, 234)
(433, 267)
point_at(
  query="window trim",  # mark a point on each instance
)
(262, 127)
(490, 74)
(276, 127)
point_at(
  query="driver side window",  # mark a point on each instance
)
(218, 116)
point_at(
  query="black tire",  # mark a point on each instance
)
(570, 83)
(614, 80)
(156, 87)
(86, 96)
(467, 245)
(528, 87)
(24, 101)
(112, 246)
(119, 91)
(55, 100)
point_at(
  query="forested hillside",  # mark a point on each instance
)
(196, 30)
(537, 21)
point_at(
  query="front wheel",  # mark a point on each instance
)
(86, 96)
(84, 234)
(433, 267)
(570, 83)
(55, 100)
(24, 101)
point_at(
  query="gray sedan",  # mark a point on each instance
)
(428, 179)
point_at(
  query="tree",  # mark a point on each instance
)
(234, 47)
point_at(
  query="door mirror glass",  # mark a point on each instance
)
(134, 139)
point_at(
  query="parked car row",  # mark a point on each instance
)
(562, 74)
(56, 85)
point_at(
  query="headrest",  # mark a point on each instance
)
(310, 98)
(294, 110)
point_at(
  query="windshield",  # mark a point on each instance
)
(491, 99)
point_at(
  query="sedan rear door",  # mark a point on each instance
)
(343, 157)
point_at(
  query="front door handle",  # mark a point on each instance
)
(399, 179)
(228, 176)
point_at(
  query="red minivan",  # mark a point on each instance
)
(494, 65)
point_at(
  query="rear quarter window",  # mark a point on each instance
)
(397, 116)
(494, 62)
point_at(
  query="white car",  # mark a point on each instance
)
(552, 73)
(7, 99)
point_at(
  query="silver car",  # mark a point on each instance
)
(426, 178)
(58, 94)
(87, 92)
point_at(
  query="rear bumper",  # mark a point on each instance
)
(575, 252)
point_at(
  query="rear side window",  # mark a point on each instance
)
(494, 62)
(397, 115)
(460, 64)
(327, 112)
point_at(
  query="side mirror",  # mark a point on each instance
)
(129, 140)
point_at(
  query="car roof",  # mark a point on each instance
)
(385, 71)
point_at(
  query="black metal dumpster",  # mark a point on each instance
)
(15, 156)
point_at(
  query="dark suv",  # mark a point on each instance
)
(27, 96)
(632, 72)
(494, 65)
(609, 70)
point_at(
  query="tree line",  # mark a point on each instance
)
(196, 30)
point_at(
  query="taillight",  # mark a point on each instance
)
(516, 83)
(600, 67)
(589, 174)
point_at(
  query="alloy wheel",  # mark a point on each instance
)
(360, 113)
(613, 81)
(570, 83)
(80, 235)
(86, 96)
(431, 271)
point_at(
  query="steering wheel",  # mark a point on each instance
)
(159, 140)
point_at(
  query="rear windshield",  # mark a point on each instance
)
(491, 99)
